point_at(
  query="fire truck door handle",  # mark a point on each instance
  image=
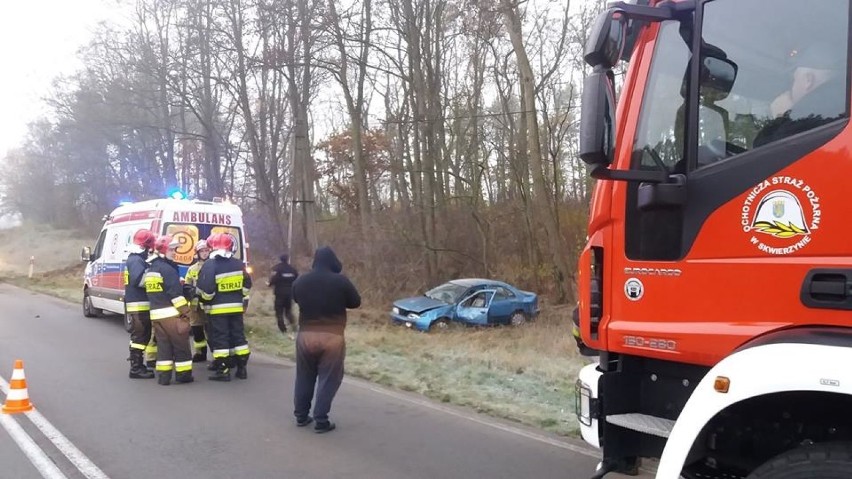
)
(828, 289)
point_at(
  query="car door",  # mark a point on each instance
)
(502, 306)
(473, 309)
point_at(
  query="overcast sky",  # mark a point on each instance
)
(38, 41)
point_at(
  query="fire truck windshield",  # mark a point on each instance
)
(788, 74)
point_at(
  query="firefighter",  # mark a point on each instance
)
(136, 304)
(224, 285)
(151, 347)
(198, 318)
(169, 314)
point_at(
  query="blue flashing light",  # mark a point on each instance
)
(177, 194)
(125, 203)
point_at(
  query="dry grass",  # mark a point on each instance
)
(523, 374)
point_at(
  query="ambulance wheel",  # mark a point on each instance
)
(128, 323)
(823, 461)
(89, 310)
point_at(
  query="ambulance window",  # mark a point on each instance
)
(99, 247)
(188, 235)
(791, 72)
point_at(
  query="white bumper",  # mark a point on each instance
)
(587, 390)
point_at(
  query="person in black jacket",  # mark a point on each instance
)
(169, 314)
(323, 296)
(817, 95)
(281, 280)
(224, 286)
(136, 304)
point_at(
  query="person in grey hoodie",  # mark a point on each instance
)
(323, 296)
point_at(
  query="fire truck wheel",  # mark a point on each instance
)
(128, 323)
(89, 310)
(824, 461)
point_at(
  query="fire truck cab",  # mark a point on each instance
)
(716, 283)
(186, 220)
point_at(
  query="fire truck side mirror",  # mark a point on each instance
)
(86, 254)
(605, 45)
(719, 75)
(597, 119)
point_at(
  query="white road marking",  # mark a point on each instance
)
(45, 466)
(80, 461)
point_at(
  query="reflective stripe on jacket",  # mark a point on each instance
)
(165, 292)
(135, 296)
(223, 283)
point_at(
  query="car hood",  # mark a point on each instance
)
(418, 304)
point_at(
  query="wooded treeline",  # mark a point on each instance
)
(423, 139)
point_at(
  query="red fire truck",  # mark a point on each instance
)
(716, 284)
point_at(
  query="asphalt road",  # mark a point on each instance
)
(77, 379)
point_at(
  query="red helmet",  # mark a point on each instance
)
(221, 241)
(213, 241)
(144, 239)
(163, 243)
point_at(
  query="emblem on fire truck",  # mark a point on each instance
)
(780, 214)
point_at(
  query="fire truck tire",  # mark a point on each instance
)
(89, 310)
(823, 461)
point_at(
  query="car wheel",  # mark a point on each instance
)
(89, 310)
(128, 323)
(442, 324)
(518, 318)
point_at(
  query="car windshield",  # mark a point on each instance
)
(448, 292)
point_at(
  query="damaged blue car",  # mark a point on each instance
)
(480, 302)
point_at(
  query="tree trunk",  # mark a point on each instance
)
(545, 215)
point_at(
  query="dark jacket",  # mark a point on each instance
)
(283, 275)
(165, 292)
(135, 297)
(223, 283)
(324, 295)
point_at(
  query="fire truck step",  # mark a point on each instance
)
(655, 426)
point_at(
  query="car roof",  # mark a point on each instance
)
(468, 282)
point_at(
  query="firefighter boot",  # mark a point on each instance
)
(184, 377)
(221, 372)
(200, 355)
(137, 366)
(164, 378)
(241, 367)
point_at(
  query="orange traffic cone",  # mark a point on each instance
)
(18, 400)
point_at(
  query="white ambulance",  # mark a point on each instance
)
(186, 220)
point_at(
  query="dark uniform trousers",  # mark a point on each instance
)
(319, 364)
(173, 342)
(140, 329)
(227, 334)
(284, 309)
